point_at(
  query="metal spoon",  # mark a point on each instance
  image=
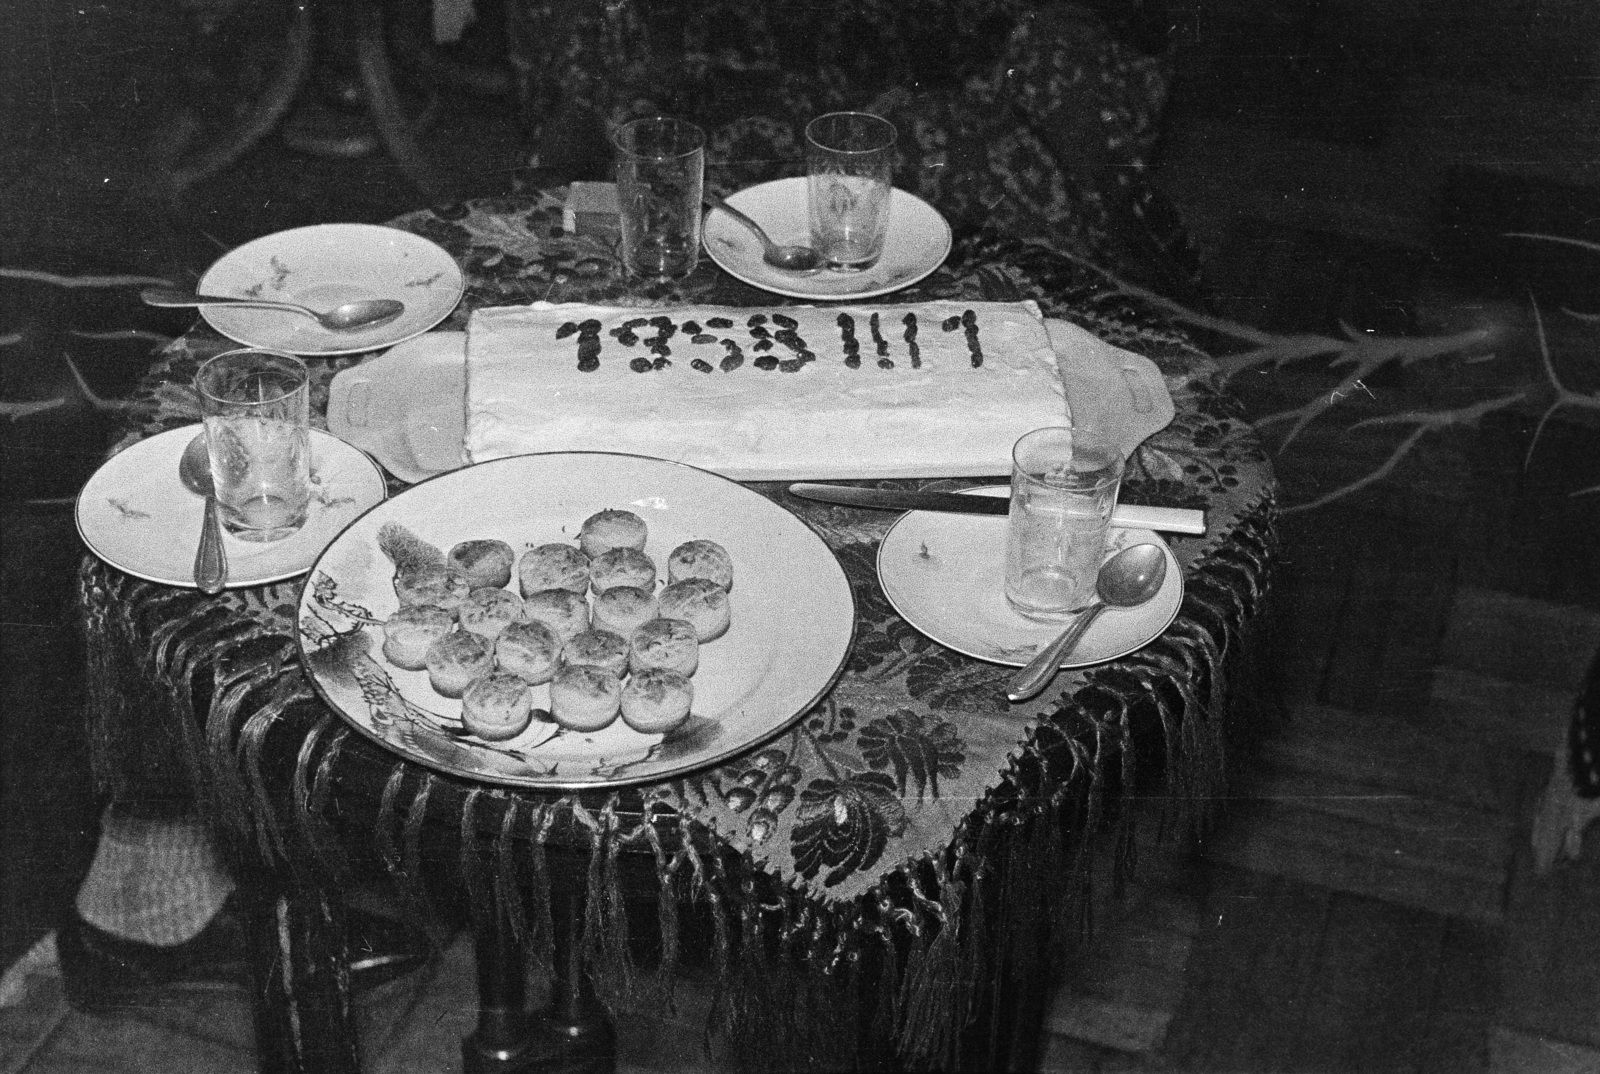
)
(1127, 579)
(787, 258)
(210, 559)
(367, 313)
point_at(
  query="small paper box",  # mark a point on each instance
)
(590, 208)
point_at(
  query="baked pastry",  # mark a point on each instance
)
(562, 610)
(599, 648)
(700, 602)
(489, 610)
(497, 707)
(622, 566)
(456, 659)
(436, 584)
(664, 643)
(408, 633)
(484, 562)
(700, 559)
(656, 700)
(584, 697)
(529, 650)
(553, 566)
(610, 529)
(622, 609)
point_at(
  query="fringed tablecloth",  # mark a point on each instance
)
(874, 874)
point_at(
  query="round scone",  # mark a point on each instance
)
(664, 643)
(656, 700)
(553, 566)
(622, 609)
(584, 697)
(497, 707)
(436, 584)
(489, 610)
(484, 562)
(529, 650)
(456, 659)
(610, 529)
(599, 648)
(408, 633)
(562, 610)
(700, 602)
(700, 559)
(622, 566)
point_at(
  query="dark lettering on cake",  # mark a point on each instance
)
(662, 362)
(760, 331)
(626, 337)
(756, 320)
(691, 328)
(733, 359)
(784, 321)
(640, 364)
(719, 322)
(701, 365)
(589, 346)
(791, 339)
(847, 336)
(877, 335)
(885, 363)
(567, 329)
(701, 337)
(766, 362)
(952, 322)
(762, 346)
(970, 319)
(791, 365)
(636, 322)
(665, 330)
(910, 322)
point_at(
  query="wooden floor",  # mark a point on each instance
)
(1367, 904)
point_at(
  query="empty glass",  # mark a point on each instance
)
(1062, 495)
(256, 405)
(660, 176)
(849, 161)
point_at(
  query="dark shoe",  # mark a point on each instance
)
(102, 972)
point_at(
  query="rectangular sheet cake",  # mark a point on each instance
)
(933, 389)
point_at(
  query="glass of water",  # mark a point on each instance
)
(1062, 495)
(660, 178)
(257, 408)
(849, 161)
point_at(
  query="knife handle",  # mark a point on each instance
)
(1161, 519)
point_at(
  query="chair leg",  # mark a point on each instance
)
(384, 101)
(298, 953)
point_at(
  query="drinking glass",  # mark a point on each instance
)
(660, 176)
(1062, 495)
(849, 158)
(256, 406)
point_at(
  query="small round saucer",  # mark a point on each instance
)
(945, 574)
(917, 243)
(135, 514)
(323, 266)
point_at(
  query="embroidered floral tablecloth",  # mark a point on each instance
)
(882, 819)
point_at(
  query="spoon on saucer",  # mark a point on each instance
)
(210, 559)
(1126, 580)
(787, 258)
(367, 313)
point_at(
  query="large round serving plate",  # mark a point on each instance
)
(324, 266)
(917, 243)
(793, 617)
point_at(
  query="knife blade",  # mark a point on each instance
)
(1163, 519)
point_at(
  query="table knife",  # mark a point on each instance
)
(1164, 519)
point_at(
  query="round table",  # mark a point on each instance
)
(881, 884)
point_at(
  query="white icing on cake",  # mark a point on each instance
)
(943, 413)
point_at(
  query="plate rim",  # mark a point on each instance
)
(566, 785)
(77, 514)
(1175, 571)
(854, 296)
(458, 284)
